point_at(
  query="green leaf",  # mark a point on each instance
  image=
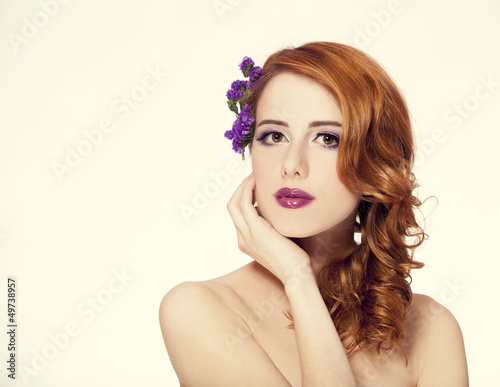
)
(232, 106)
(245, 96)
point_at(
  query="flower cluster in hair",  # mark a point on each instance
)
(237, 96)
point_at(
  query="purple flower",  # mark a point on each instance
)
(241, 128)
(237, 89)
(246, 116)
(255, 73)
(246, 63)
(234, 94)
(240, 85)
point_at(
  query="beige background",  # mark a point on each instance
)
(95, 246)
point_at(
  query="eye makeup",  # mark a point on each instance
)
(264, 137)
(333, 136)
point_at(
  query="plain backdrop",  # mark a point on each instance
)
(115, 173)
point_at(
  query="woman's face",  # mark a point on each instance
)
(294, 154)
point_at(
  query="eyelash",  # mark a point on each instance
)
(264, 135)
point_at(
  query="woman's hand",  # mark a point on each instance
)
(322, 355)
(259, 240)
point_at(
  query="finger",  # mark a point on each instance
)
(234, 207)
(242, 244)
(237, 193)
(247, 202)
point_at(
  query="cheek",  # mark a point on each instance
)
(341, 200)
(265, 171)
(335, 191)
(257, 167)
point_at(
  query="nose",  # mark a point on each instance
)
(294, 163)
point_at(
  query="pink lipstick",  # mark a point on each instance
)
(293, 198)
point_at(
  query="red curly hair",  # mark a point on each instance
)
(367, 290)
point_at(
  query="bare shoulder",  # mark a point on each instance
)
(194, 321)
(208, 342)
(182, 295)
(188, 302)
(437, 343)
(217, 292)
(428, 317)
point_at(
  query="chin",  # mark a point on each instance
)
(293, 228)
(292, 233)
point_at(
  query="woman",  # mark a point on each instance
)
(332, 151)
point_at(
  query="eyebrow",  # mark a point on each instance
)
(313, 124)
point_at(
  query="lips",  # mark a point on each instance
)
(293, 198)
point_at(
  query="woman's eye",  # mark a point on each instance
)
(276, 137)
(271, 138)
(327, 139)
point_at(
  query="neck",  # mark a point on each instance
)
(326, 246)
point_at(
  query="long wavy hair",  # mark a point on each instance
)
(366, 288)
